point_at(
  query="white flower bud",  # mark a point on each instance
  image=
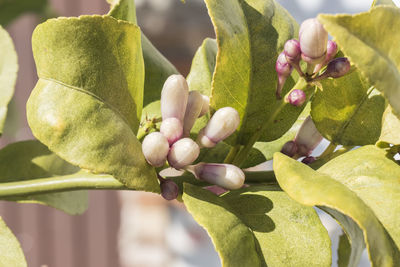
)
(222, 124)
(155, 149)
(205, 107)
(313, 41)
(204, 141)
(172, 129)
(193, 109)
(174, 96)
(224, 175)
(307, 138)
(183, 153)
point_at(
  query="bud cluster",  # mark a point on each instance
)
(306, 140)
(180, 110)
(314, 48)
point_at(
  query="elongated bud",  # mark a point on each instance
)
(174, 96)
(283, 69)
(331, 51)
(221, 125)
(169, 189)
(224, 175)
(193, 109)
(155, 149)
(183, 153)
(172, 129)
(205, 107)
(297, 97)
(289, 149)
(308, 160)
(313, 41)
(307, 138)
(293, 54)
(338, 67)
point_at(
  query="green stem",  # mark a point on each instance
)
(59, 184)
(279, 106)
(232, 154)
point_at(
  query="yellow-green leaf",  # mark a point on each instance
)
(11, 254)
(390, 128)
(370, 41)
(87, 103)
(260, 226)
(311, 188)
(8, 73)
(11, 9)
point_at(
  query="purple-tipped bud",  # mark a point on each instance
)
(292, 51)
(174, 96)
(193, 109)
(337, 67)
(183, 153)
(155, 149)
(297, 97)
(205, 107)
(289, 149)
(221, 125)
(307, 138)
(308, 160)
(172, 129)
(313, 41)
(283, 69)
(224, 175)
(169, 189)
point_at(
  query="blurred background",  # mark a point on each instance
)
(128, 229)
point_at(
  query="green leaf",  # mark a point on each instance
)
(250, 35)
(371, 47)
(260, 226)
(311, 188)
(390, 128)
(348, 111)
(29, 160)
(87, 103)
(10, 250)
(11, 9)
(8, 72)
(269, 148)
(157, 67)
(376, 181)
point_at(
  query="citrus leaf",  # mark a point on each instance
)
(311, 188)
(376, 181)
(11, 9)
(87, 103)
(390, 128)
(260, 226)
(344, 251)
(29, 160)
(10, 250)
(250, 35)
(8, 73)
(348, 111)
(383, 2)
(370, 47)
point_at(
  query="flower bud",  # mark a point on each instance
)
(313, 41)
(183, 153)
(283, 69)
(337, 67)
(307, 138)
(193, 109)
(155, 149)
(292, 51)
(331, 51)
(308, 160)
(174, 96)
(172, 129)
(224, 175)
(221, 125)
(205, 107)
(169, 189)
(297, 97)
(289, 149)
